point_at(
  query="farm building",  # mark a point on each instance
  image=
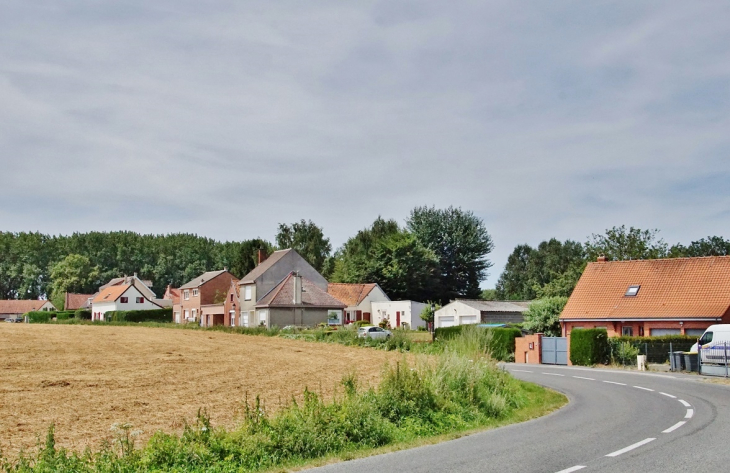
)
(468, 311)
(399, 314)
(650, 297)
(14, 309)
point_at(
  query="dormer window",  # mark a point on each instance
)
(632, 291)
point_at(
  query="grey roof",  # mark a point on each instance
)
(312, 296)
(264, 266)
(205, 277)
(496, 306)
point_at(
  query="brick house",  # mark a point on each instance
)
(203, 295)
(358, 298)
(650, 297)
(73, 301)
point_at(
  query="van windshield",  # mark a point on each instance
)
(706, 338)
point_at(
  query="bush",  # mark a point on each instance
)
(83, 314)
(65, 315)
(361, 323)
(499, 342)
(589, 347)
(624, 353)
(155, 315)
(39, 317)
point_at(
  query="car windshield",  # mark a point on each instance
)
(706, 338)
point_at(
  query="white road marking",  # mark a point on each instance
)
(523, 371)
(690, 413)
(630, 447)
(572, 469)
(583, 377)
(554, 374)
(668, 395)
(645, 389)
(685, 403)
(614, 382)
(674, 427)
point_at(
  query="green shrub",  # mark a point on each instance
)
(656, 349)
(39, 317)
(64, 315)
(361, 323)
(155, 315)
(624, 353)
(589, 347)
(83, 314)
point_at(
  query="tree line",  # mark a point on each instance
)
(439, 254)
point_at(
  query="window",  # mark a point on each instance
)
(632, 291)
(247, 293)
(124, 300)
(140, 300)
(195, 293)
(186, 295)
(231, 297)
(706, 338)
(627, 331)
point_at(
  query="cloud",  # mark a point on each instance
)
(225, 119)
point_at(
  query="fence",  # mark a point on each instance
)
(714, 360)
(657, 350)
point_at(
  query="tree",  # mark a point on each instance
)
(74, 273)
(461, 243)
(620, 243)
(515, 282)
(489, 295)
(543, 316)
(428, 314)
(351, 262)
(710, 246)
(307, 239)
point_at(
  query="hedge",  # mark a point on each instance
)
(155, 315)
(656, 348)
(503, 339)
(39, 317)
(65, 314)
(589, 347)
(83, 314)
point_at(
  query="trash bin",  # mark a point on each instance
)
(690, 362)
(677, 361)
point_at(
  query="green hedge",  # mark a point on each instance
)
(589, 347)
(155, 315)
(83, 314)
(39, 317)
(656, 348)
(65, 314)
(502, 343)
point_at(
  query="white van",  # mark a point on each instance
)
(714, 337)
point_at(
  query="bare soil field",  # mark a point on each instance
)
(84, 379)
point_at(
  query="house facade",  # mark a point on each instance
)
(358, 298)
(208, 289)
(399, 314)
(73, 301)
(650, 297)
(129, 296)
(267, 275)
(14, 309)
(470, 311)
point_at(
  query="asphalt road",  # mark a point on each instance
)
(616, 421)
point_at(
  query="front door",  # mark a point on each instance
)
(233, 318)
(397, 319)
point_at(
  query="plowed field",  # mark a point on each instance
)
(84, 379)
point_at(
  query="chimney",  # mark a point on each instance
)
(261, 256)
(601, 259)
(297, 289)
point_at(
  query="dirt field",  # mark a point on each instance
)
(86, 378)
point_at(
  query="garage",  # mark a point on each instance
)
(468, 319)
(446, 321)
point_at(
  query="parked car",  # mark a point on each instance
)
(13, 320)
(373, 332)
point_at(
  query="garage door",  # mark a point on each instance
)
(446, 321)
(468, 319)
(658, 332)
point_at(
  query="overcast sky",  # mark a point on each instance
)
(546, 118)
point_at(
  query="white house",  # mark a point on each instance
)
(132, 294)
(406, 314)
(467, 311)
(358, 298)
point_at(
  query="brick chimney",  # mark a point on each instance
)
(601, 259)
(297, 289)
(261, 256)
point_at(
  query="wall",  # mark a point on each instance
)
(615, 329)
(232, 303)
(206, 294)
(457, 310)
(524, 353)
(410, 313)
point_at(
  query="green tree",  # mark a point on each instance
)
(74, 273)
(620, 243)
(516, 281)
(543, 316)
(489, 295)
(307, 239)
(461, 243)
(351, 262)
(710, 246)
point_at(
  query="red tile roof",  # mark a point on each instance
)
(76, 301)
(172, 294)
(111, 293)
(19, 306)
(682, 288)
(312, 296)
(350, 294)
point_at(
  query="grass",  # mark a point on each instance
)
(431, 399)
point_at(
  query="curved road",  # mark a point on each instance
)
(616, 421)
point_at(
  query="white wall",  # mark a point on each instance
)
(376, 295)
(131, 294)
(456, 313)
(410, 313)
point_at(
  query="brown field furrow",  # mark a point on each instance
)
(84, 379)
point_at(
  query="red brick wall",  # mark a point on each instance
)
(525, 354)
(640, 328)
(207, 292)
(230, 304)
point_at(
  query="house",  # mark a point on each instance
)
(650, 297)
(131, 294)
(268, 274)
(399, 314)
(298, 301)
(14, 309)
(473, 311)
(358, 298)
(123, 280)
(173, 295)
(231, 307)
(73, 301)
(209, 289)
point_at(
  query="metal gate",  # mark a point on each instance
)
(555, 350)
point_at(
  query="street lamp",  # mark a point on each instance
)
(433, 322)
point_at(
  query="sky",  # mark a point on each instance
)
(546, 119)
